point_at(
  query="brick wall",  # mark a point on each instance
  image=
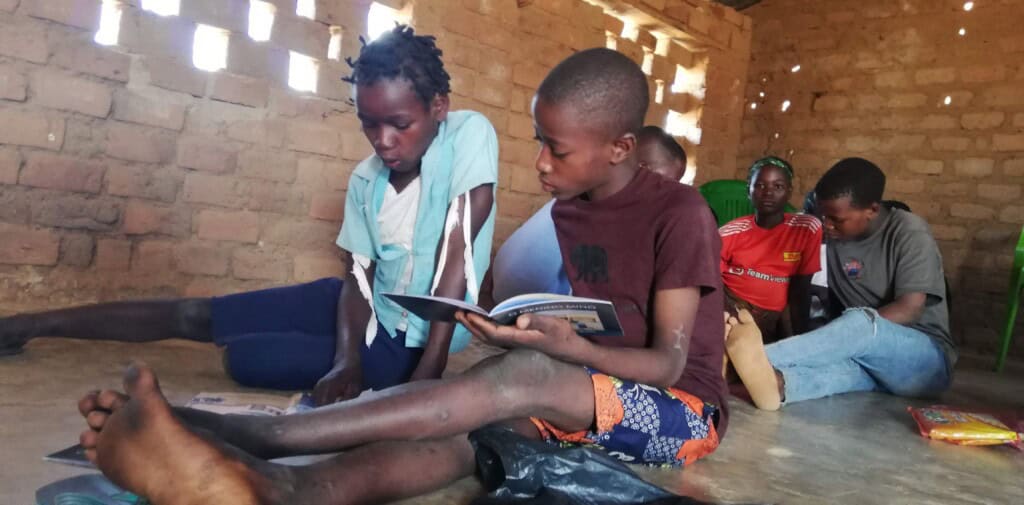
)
(127, 172)
(873, 82)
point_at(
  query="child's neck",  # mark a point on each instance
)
(768, 221)
(619, 177)
(400, 180)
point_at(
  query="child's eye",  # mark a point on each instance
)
(403, 126)
(560, 156)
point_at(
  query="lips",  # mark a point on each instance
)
(391, 163)
(546, 187)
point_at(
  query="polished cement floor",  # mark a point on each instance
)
(856, 449)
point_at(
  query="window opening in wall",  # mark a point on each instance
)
(306, 9)
(962, 32)
(611, 41)
(261, 20)
(761, 94)
(210, 48)
(661, 48)
(968, 6)
(162, 7)
(785, 105)
(110, 23)
(334, 48)
(303, 72)
(689, 80)
(948, 100)
(382, 19)
(795, 69)
(753, 105)
(683, 125)
(630, 30)
(659, 92)
(648, 63)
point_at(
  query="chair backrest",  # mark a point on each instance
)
(728, 199)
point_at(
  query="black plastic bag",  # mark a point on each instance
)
(521, 471)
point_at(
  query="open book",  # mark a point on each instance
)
(589, 317)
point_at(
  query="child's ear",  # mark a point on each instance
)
(622, 147)
(439, 107)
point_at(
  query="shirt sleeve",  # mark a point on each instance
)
(919, 266)
(475, 155)
(688, 251)
(810, 257)
(723, 263)
(355, 234)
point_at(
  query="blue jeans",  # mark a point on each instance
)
(860, 351)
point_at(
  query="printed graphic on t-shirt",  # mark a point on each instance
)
(591, 263)
(791, 256)
(853, 268)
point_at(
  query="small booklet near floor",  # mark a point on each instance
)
(589, 317)
(252, 404)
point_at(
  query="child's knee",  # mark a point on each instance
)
(194, 318)
(524, 370)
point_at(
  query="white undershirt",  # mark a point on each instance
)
(397, 224)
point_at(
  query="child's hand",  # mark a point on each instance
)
(551, 335)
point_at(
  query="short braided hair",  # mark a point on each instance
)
(402, 53)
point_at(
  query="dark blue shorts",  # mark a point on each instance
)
(284, 338)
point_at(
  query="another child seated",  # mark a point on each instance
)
(885, 269)
(654, 395)
(768, 258)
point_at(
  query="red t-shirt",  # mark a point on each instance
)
(757, 263)
(652, 235)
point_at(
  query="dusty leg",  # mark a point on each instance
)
(137, 321)
(746, 350)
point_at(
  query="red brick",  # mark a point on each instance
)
(62, 172)
(25, 246)
(154, 256)
(258, 59)
(8, 5)
(76, 250)
(57, 90)
(240, 90)
(313, 137)
(355, 146)
(869, 102)
(76, 212)
(141, 183)
(971, 211)
(227, 14)
(1002, 96)
(113, 254)
(938, 122)
(259, 265)
(925, 167)
(528, 74)
(267, 164)
(133, 107)
(83, 55)
(198, 259)
(320, 174)
(207, 155)
(492, 92)
(149, 34)
(951, 143)
(215, 190)
(907, 100)
(1012, 214)
(240, 226)
(329, 83)
(1014, 167)
(313, 266)
(84, 14)
(1008, 142)
(328, 206)
(302, 35)
(946, 232)
(13, 85)
(142, 219)
(310, 235)
(135, 143)
(10, 165)
(172, 75)
(974, 167)
(24, 40)
(982, 120)
(983, 73)
(935, 76)
(263, 132)
(999, 192)
(833, 103)
(31, 129)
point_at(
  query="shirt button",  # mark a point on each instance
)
(405, 314)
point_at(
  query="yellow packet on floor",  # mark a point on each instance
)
(961, 427)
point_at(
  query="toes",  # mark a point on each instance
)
(139, 380)
(745, 316)
(96, 419)
(88, 439)
(88, 403)
(110, 400)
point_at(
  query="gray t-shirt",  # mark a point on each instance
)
(899, 257)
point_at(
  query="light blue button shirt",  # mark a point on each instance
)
(463, 155)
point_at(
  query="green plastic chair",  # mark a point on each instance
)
(728, 199)
(1012, 300)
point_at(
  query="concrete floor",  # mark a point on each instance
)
(858, 448)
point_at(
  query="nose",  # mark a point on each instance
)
(543, 163)
(384, 140)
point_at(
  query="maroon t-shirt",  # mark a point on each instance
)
(654, 234)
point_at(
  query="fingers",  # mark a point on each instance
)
(745, 316)
(96, 419)
(88, 403)
(110, 400)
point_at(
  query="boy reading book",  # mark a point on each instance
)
(654, 396)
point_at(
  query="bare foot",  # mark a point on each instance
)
(746, 350)
(138, 443)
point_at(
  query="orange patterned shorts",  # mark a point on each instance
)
(641, 424)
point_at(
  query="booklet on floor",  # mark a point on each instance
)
(589, 317)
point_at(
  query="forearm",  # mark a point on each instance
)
(905, 310)
(353, 315)
(651, 366)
